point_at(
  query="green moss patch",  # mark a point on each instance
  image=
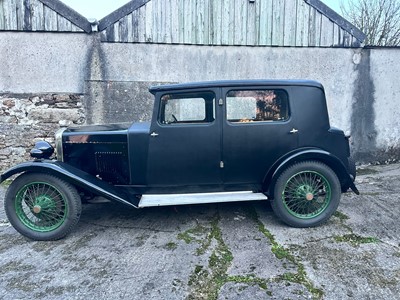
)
(283, 253)
(341, 216)
(170, 246)
(355, 240)
(6, 183)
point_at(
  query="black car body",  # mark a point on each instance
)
(207, 142)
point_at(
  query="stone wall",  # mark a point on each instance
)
(25, 119)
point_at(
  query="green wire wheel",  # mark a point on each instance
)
(42, 206)
(306, 194)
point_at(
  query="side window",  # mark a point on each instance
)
(257, 105)
(187, 108)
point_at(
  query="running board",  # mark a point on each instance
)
(200, 198)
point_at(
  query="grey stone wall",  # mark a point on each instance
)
(25, 119)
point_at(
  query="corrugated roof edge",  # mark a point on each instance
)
(68, 13)
(120, 13)
(338, 19)
(234, 83)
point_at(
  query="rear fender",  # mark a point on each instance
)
(308, 154)
(75, 177)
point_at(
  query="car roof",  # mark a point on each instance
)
(234, 83)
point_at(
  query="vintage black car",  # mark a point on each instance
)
(208, 142)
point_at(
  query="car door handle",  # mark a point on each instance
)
(294, 130)
(154, 134)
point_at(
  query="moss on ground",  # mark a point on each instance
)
(341, 216)
(170, 246)
(207, 281)
(6, 183)
(283, 253)
(355, 240)
(351, 238)
(199, 234)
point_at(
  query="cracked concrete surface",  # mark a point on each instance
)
(225, 251)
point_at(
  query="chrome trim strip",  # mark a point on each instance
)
(59, 144)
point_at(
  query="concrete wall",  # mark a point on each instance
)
(360, 83)
(43, 62)
(334, 67)
(385, 72)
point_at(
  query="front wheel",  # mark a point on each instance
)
(306, 194)
(42, 207)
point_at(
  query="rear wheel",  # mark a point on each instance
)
(306, 194)
(42, 207)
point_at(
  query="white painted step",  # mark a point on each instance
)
(200, 198)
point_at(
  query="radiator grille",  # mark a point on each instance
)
(112, 167)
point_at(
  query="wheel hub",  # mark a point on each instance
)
(43, 203)
(305, 191)
(309, 196)
(37, 209)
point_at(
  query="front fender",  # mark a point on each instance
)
(309, 154)
(75, 177)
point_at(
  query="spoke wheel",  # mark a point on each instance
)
(306, 194)
(42, 206)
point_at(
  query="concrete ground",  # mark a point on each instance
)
(226, 251)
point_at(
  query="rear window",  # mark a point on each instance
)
(260, 105)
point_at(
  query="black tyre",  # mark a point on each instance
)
(306, 194)
(42, 207)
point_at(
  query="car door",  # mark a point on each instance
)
(258, 129)
(185, 140)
